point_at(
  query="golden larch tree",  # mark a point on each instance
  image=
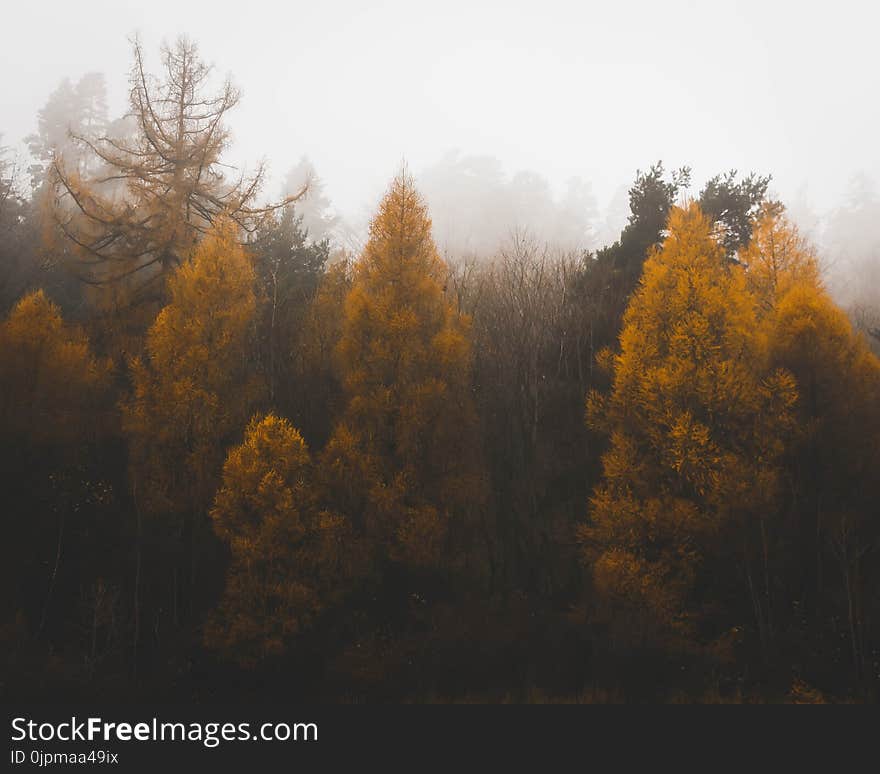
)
(54, 410)
(695, 421)
(289, 559)
(404, 460)
(835, 455)
(50, 380)
(777, 257)
(193, 391)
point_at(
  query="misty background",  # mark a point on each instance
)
(513, 116)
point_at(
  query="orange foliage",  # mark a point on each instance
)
(404, 460)
(50, 381)
(289, 559)
(193, 392)
(696, 417)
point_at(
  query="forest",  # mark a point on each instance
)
(246, 454)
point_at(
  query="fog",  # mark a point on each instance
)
(259, 440)
(512, 115)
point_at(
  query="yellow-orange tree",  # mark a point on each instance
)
(403, 462)
(288, 558)
(696, 421)
(777, 258)
(53, 408)
(50, 381)
(192, 393)
(835, 457)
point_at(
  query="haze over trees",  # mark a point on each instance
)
(481, 453)
(476, 207)
(157, 190)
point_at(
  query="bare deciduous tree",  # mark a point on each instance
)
(159, 189)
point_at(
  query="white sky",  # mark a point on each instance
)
(593, 89)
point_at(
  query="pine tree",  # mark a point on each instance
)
(315, 394)
(289, 270)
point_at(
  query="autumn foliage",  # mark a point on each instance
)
(697, 422)
(50, 379)
(289, 558)
(723, 407)
(192, 390)
(305, 466)
(403, 461)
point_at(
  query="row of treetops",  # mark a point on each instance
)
(736, 387)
